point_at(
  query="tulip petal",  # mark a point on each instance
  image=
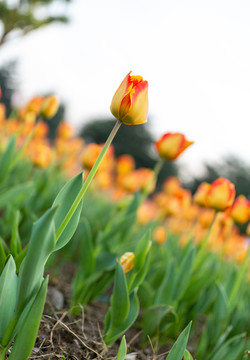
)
(139, 107)
(119, 95)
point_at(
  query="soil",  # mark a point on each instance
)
(66, 337)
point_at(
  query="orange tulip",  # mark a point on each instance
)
(239, 210)
(171, 185)
(171, 145)
(125, 164)
(201, 194)
(221, 194)
(160, 234)
(130, 102)
(127, 261)
(65, 131)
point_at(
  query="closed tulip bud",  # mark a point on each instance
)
(171, 145)
(49, 107)
(201, 194)
(239, 210)
(130, 102)
(127, 261)
(221, 194)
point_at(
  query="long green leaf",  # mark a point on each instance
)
(27, 334)
(120, 298)
(177, 351)
(41, 245)
(8, 291)
(15, 193)
(6, 159)
(66, 198)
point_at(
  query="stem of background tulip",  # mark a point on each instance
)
(202, 250)
(88, 180)
(157, 169)
(25, 144)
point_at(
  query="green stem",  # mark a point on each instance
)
(156, 170)
(88, 180)
(23, 148)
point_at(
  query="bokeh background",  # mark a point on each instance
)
(194, 54)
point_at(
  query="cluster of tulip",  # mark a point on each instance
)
(171, 282)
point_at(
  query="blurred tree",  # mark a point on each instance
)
(232, 168)
(7, 84)
(133, 140)
(26, 15)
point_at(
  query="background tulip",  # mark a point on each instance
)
(171, 145)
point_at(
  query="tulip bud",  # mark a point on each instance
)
(221, 194)
(49, 107)
(130, 102)
(239, 210)
(171, 145)
(127, 261)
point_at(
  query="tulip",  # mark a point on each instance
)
(130, 102)
(201, 194)
(239, 210)
(49, 107)
(171, 145)
(160, 235)
(221, 194)
(127, 261)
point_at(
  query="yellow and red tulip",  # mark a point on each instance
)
(171, 145)
(221, 194)
(201, 194)
(239, 210)
(130, 102)
(49, 107)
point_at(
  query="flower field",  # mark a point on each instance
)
(163, 274)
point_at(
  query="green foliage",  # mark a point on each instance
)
(23, 16)
(178, 349)
(121, 355)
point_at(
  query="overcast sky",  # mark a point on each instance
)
(194, 54)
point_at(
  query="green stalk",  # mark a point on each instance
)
(23, 148)
(88, 180)
(156, 170)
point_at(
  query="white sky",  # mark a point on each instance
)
(194, 54)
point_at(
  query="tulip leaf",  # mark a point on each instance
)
(141, 251)
(115, 332)
(41, 245)
(8, 290)
(66, 197)
(187, 355)
(231, 349)
(87, 256)
(6, 160)
(2, 257)
(184, 274)
(122, 351)
(15, 242)
(27, 334)
(177, 351)
(120, 298)
(15, 193)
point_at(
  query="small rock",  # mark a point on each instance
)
(56, 298)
